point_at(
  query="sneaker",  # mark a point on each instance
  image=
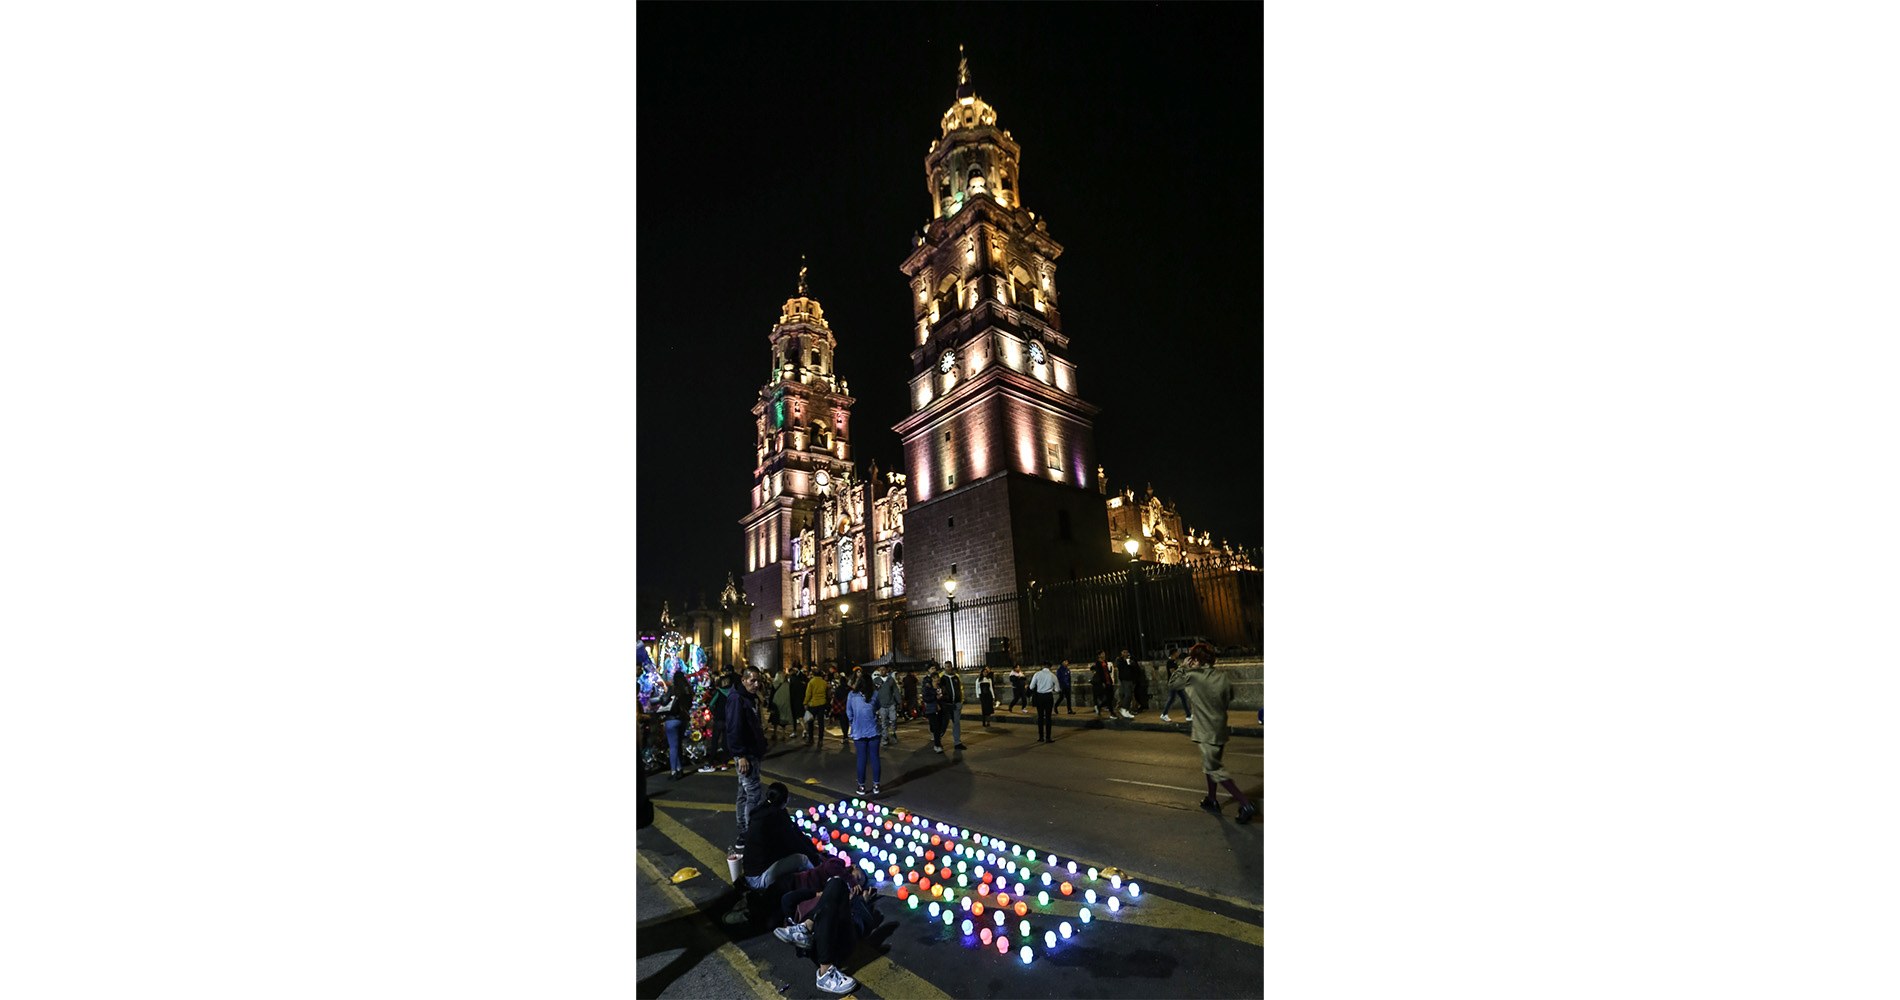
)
(1164, 717)
(877, 789)
(1211, 806)
(708, 769)
(1190, 718)
(796, 934)
(1126, 714)
(934, 748)
(860, 789)
(1247, 813)
(961, 747)
(836, 981)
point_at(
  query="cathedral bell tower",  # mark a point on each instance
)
(802, 476)
(998, 439)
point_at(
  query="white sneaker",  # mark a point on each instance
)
(836, 981)
(1164, 717)
(795, 934)
(1126, 714)
(1190, 718)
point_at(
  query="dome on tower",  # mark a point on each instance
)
(969, 111)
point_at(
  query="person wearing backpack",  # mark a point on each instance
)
(674, 708)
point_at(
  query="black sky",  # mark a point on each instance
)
(770, 131)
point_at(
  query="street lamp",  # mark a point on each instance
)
(950, 588)
(1132, 547)
(844, 636)
(778, 628)
(725, 652)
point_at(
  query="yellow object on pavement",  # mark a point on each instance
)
(683, 874)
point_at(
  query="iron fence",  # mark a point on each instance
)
(1219, 598)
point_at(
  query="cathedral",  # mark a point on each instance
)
(1001, 486)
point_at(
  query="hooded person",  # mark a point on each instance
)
(775, 846)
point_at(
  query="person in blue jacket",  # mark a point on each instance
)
(861, 712)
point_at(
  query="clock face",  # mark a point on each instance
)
(947, 362)
(823, 478)
(1035, 351)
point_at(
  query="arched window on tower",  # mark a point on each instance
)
(976, 180)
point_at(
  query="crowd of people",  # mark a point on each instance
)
(826, 906)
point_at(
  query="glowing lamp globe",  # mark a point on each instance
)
(1052, 859)
(968, 928)
(1019, 888)
(1072, 868)
(1021, 908)
(1042, 898)
(963, 881)
(976, 909)
(1134, 891)
(1089, 896)
(1066, 930)
(1085, 916)
(912, 876)
(1114, 905)
(1023, 928)
(1091, 874)
(1049, 939)
(1026, 953)
(1002, 945)
(930, 855)
(930, 869)
(983, 890)
(903, 892)
(1068, 888)
(1045, 878)
(936, 890)
(933, 909)
(985, 935)
(1002, 899)
(964, 903)
(1114, 881)
(1000, 917)
(913, 902)
(947, 917)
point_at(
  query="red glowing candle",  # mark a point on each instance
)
(1067, 888)
(1022, 908)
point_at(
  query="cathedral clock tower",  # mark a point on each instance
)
(802, 454)
(999, 445)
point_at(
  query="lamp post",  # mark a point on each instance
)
(725, 651)
(1133, 547)
(950, 588)
(844, 635)
(778, 629)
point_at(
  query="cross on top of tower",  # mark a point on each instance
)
(801, 275)
(963, 66)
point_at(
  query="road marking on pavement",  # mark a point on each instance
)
(683, 804)
(730, 953)
(881, 974)
(1151, 784)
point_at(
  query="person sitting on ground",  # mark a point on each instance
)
(831, 925)
(775, 846)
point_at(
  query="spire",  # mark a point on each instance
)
(963, 66)
(801, 275)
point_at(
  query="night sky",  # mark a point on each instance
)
(767, 132)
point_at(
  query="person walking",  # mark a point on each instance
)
(986, 693)
(745, 738)
(861, 710)
(1125, 670)
(1064, 696)
(1102, 684)
(815, 706)
(1174, 664)
(886, 683)
(1018, 687)
(932, 690)
(953, 686)
(784, 703)
(910, 694)
(1209, 691)
(1044, 685)
(717, 759)
(677, 714)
